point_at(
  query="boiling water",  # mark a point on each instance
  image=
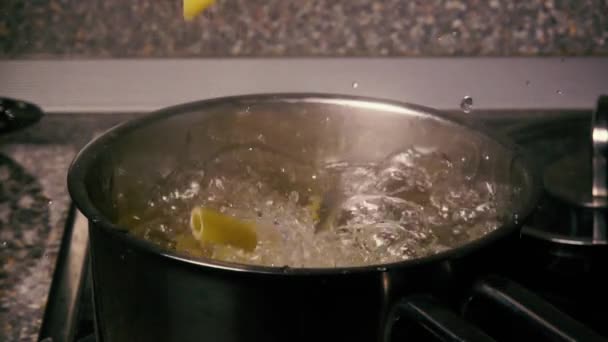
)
(412, 204)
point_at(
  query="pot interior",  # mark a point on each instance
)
(167, 156)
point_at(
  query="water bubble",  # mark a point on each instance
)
(49, 203)
(466, 104)
(4, 243)
(163, 228)
(391, 210)
(355, 85)
(559, 92)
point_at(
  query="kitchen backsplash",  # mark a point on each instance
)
(155, 28)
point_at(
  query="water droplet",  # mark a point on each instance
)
(466, 104)
(559, 92)
(486, 157)
(9, 114)
(261, 138)
(4, 243)
(528, 83)
(294, 196)
(49, 203)
(381, 269)
(355, 85)
(314, 176)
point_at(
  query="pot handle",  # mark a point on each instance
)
(440, 321)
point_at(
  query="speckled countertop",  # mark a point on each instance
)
(34, 205)
(151, 28)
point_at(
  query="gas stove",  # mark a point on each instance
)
(552, 287)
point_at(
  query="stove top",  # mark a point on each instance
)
(550, 289)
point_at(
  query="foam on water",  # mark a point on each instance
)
(412, 204)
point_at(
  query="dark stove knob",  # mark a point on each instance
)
(15, 114)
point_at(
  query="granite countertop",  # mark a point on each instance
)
(34, 206)
(151, 28)
(34, 202)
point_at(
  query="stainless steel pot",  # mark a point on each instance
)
(144, 293)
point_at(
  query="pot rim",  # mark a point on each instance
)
(86, 156)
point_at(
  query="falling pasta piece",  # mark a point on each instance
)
(192, 8)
